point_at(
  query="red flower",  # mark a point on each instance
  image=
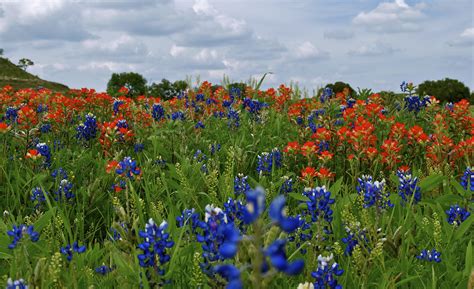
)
(33, 154)
(4, 127)
(324, 173)
(308, 172)
(111, 166)
(292, 147)
(325, 156)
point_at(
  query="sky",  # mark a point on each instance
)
(367, 43)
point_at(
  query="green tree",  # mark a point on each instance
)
(445, 90)
(134, 82)
(1, 51)
(166, 89)
(339, 86)
(24, 63)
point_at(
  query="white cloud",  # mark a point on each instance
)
(339, 34)
(373, 49)
(308, 51)
(392, 17)
(466, 38)
(176, 51)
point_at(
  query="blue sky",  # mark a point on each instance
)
(368, 43)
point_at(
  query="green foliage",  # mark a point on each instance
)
(339, 86)
(134, 82)
(24, 63)
(445, 90)
(166, 89)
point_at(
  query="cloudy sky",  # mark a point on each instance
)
(368, 43)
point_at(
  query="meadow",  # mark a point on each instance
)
(220, 188)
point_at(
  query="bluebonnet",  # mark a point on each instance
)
(158, 112)
(200, 97)
(215, 148)
(88, 129)
(45, 128)
(277, 254)
(287, 224)
(11, 115)
(254, 107)
(354, 237)
(319, 204)
(326, 274)
(103, 270)
(17, 232)
(69, 250)
(42, 108)
(430, 256)
(351, 102)
(138, 147)
(235, 92)
(326, 94)
(449, 106)
(228, 103)
(404, 86)
(231, 274)
(313, 118)
(467, 179)
(156, 242)
(266, 161)
(233, 118)
(177, 115)
(199, 156)
(59, 172)
(128, 168)
(188, 217)
(44, 151)
(199, 124)
(234, 210)
(408, 188)
(38, 195)
(116, 106)
(17, 284)
(241, 184)
(457, 215)
(373, 192)
(415, 103)
(287, 185)
(64, 191)
(255, 205)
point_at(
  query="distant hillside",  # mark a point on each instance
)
(10, 74)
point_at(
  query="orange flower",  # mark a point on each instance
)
(4, 127)
(371, 152)
(292, 147)
(33, 154)
(112, 165)
(308, 172)
(308, 148)
(324, 173)
(325, 156)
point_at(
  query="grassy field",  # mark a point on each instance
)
(235, 189)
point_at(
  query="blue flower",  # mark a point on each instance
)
(38, 195)
(156, 242)
(373, 192)
(415, 103)
(287, 185)
(267, 161)
(319, 204)
(408, 188)
(199, 124)
(255, 205)
(241, 184)
(457, 215)
(128, 168)
(276, 212)
(231, 274)
(45, 128)
(64, 191)
(103, 270)
(18, 232)
(278, 259)
(138, 147)
(353, 239)
(188, 217)
(11, 115)
(116, 106)
(430, 256)
(69, 250)
(233, 118)
(87, 130)
(404, 86)
(178, 115)
(17, 284)
(44, 151)
(326, 274)
(467, 179)
(326, 94)
(158, 112)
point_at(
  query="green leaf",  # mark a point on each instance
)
(464, 227)
(469, 260)
(44, 220)
(457, 186)
(261, 80)
(336, 187)
(299, 197)
(431, 182)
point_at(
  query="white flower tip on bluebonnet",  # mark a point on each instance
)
(163, 225)
(212, 210)
(306, 285)
(150, 223)
(323, 261)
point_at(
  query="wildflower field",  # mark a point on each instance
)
(220, 188)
